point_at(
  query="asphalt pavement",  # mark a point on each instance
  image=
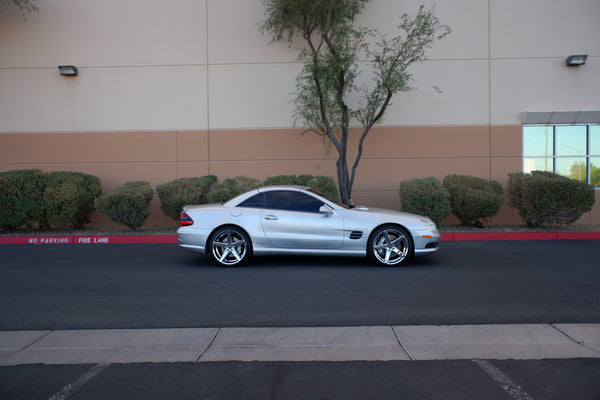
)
(474, 319)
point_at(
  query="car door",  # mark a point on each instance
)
(292, 220)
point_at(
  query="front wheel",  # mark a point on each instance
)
(390, 245)
(230, 246)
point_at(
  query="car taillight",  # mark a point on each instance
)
(185, 220)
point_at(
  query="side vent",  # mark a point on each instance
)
(356, 235)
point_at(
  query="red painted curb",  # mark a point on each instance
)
(481, 236)
(94, 239)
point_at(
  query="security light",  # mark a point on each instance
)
(574, 61)
(68, 70)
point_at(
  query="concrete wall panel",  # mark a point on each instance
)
(251, 96)
(103, 99)
(543, 84)
(542, 28)
(90, 33)
(467, 18)
(449, 92)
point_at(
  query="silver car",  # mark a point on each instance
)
(300, 220)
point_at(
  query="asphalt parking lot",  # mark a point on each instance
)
(467, 287)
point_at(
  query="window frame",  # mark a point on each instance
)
(555, 157)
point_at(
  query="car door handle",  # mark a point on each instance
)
(271, 217)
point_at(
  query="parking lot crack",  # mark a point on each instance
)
(209, 345)
(401, 345)
(580, 343)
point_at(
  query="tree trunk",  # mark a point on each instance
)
(344, 180)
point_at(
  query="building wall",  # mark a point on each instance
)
(168, 89)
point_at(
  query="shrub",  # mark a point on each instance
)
(176, 194)
(69, 198)
(231, 187)
(546, 198)
(21, 197)
(323, 184)
(427, 197)
(128, 205)
(473, 198)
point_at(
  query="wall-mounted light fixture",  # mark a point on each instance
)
(574, 61)
(68, 70)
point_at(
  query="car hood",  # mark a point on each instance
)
(383, 211)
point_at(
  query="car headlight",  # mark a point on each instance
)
(429, 224)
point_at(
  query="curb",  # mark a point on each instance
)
(481, 236)
(342, 344)
(172, 239)
(93, 239)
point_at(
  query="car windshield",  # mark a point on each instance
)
(329, 198)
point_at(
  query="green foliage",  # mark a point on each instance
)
(21, 198)
(231, 187)
(69, 198)
(24, 6)
(176, 194)
(128, 204)
(546, 198)
(333, 60)
(473, 198)
(321, 183)
(427, 197)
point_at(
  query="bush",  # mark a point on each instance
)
(546, 198)
(128, 205)
(323, 184)
(176, 194)
(473, 198)
(69, 198)
(21, 198)
(231, 187)
(427, 197)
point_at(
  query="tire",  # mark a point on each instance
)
(229, 246)
(390, 245)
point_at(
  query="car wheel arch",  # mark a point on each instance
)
(218, 228)
(376, 229)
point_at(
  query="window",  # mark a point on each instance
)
(568, 150)
(292, 201)
(256, 201)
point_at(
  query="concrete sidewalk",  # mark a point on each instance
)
(361, 343)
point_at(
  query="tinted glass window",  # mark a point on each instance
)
(292, 201)
(538, 141)
(568, 150)
(256, 201)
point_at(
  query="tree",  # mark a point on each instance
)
(331, 53)
(25, 6)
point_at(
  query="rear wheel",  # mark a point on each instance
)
(390, 245)
(230, 246)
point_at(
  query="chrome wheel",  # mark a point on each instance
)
(390, 245)
(230, 246)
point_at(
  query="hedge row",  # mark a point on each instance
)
(180, 192)
(67, 199)
(59, 198)
(546, 198)
(541, 198)
(128, 204)
(63, 199)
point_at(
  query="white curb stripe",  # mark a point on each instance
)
(72, 388)
(515, 391)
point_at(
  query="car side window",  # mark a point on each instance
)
(256, 201)
(292, 201)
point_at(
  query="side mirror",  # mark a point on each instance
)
(325, 209)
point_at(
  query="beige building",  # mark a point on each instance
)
(178, 88)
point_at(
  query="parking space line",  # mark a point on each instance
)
(73, 387)
(514, 390)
